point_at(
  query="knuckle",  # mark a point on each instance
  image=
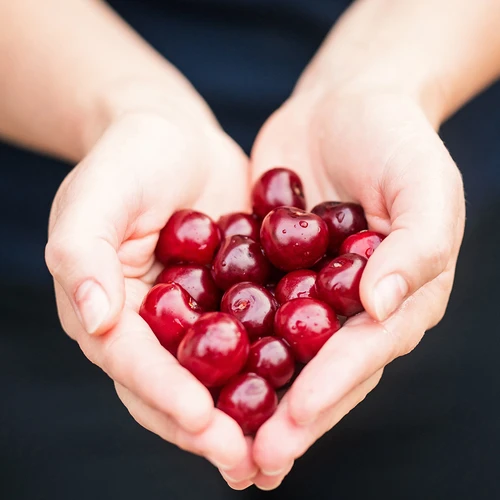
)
(439, 255)
(58, 252)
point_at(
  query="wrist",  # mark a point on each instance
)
(439, 53)
(364, 78)
(167, 96)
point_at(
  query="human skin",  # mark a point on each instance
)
(360, 125)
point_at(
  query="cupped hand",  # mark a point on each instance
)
(104, 225)
(377, 148)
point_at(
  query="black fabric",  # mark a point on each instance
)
(428, 431)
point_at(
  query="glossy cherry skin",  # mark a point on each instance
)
(197, 281)
(296, 285)
(363, 243)
(338, 284)
(275, 188)
(169, 311)
(253, 305)
(272, 359)
(322, 263)
(188, 236)
(239, 259)
(293, 239)
(239, 223)
(342, 219)
(248, 399)
(214, 349)
(306, 324)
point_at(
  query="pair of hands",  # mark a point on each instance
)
(372, 146)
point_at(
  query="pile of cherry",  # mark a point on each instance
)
(245, 302)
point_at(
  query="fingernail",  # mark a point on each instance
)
(268, 488)
(228, 477)
(388, 295)
(219, 466)
(274, 472)
(93, 305)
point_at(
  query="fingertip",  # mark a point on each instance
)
(274, 446)
(222, 443)
(194, 409)
(243, 485)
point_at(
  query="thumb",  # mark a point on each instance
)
(81, 252)
(423, 194)
(131, 176)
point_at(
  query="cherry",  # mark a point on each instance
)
(253, 305)
(322, 263)
(272, 359)
(197, 281)
(306, 324)
(188, 236)
(275, 188)
(338, 284)
(239, 259)
(363, 243)
(239, 223)
(169, 311)
(292, 238)
(342, 219)
(214, 349)
(295, 285)
(248, 399)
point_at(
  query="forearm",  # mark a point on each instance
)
(68, 67)
(442, 51)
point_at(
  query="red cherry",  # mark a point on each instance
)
(306, 324)
(169, 311)
(253, 305)
(296, 285)
(342, 219)
(338, 284)
(197, 281)
(239, 259)
(272, 359)
(275, 188)
(248, 399)
(214, 349)
(188, 236)
(292, 238)
(239, 223)
(322, 263)
(363, 243)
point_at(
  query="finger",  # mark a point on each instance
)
(427, 221)
(222, 442)
(243, 485)
(245, 471)
(268, 483)
(277, 146)
(226, 189)
(97, 208)
(132, 356)
(280, 440)
(362, 347)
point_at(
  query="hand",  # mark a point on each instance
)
(104, 225)
(376, 148)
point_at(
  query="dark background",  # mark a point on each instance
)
(430, 430)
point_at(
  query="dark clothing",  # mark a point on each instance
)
(429, 431)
